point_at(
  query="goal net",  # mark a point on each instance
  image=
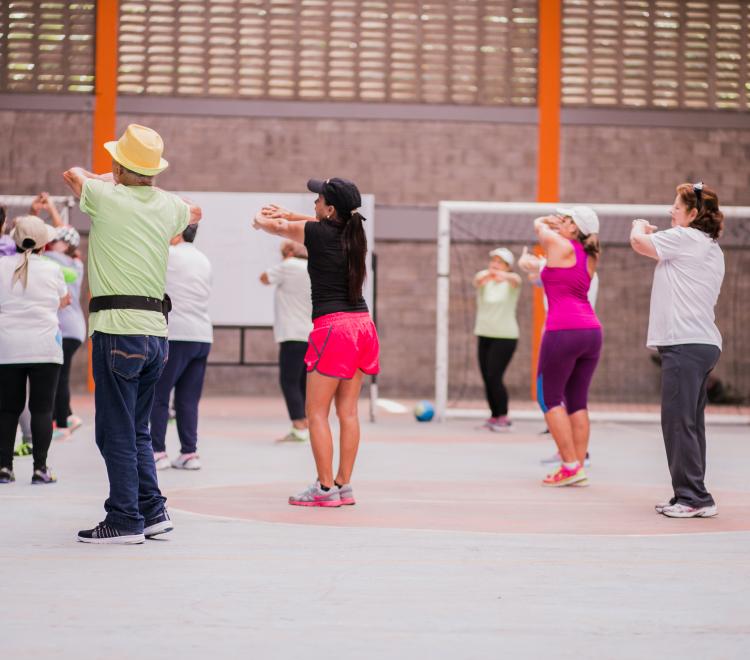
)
(628, 372)
(16, 205)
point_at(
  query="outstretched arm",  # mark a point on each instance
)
(57, 221)
(275, 211)
(75, 177)
(292, 229)
(640, 238)
(548, 237)
(196, 213)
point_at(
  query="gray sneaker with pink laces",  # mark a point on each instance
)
(347, 495)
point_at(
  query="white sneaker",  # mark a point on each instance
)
(161, 460)
(187, 462)
(659, 508)
(684, 511)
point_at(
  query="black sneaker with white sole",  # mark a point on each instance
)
(7, 476)
(104, 533)
(160, 524)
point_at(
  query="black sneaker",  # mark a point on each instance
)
(43, 476)
(104, 533)
(160, 524)
(6, 476)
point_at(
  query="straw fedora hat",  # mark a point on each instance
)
(139, 149)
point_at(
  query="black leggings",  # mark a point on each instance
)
(42, 379)
(62, 398)
(293, 376)
(494, 357)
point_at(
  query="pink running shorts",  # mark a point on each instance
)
(341, 343)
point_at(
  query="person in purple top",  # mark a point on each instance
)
(572, 338)
(7, 244)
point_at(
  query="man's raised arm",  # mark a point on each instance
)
(75, 177)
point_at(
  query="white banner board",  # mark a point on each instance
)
(239, 253)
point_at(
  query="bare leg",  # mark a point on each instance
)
(320, 392)
(560, 427)
(299, 424)
(579, 421)
(347, 398)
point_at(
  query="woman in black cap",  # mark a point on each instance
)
(344, 343)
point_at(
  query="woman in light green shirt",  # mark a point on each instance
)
(496, 329)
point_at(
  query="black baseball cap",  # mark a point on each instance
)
(340, 193)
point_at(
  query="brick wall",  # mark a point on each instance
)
(632, 165)
(400, 162)
(409, 163)
(38, 147)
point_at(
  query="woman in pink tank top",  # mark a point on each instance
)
(572, 336)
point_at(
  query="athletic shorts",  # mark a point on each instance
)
(341, 343)
(567, 361)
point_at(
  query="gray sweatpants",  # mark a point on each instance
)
(684, 372)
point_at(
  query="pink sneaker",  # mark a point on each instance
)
(565, 476)
(500, 424)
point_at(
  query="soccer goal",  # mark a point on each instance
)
(19, 205)
(627, 372)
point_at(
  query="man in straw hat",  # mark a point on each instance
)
(132, 223)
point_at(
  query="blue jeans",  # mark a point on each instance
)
(126, 370)
(185, 371)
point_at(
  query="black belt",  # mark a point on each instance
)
(99, 303)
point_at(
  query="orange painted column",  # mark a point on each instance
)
(105, 95)
(548, 147)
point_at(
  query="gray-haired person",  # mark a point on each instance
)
(292, 324)
(132, 223)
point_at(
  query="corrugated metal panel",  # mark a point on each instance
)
(46, 46)
(656, 53)
(473, 52)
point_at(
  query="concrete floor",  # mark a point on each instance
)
(453, 551)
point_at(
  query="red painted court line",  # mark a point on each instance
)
(502, 507)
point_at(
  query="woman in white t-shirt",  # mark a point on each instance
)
(292, 324)
(191, 334)
(687, 281)
(64, 250)
(32, 289)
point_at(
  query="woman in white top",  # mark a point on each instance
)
(191, 334)
(32, 289)
(687, 281)
(292, 324)
(64, 250)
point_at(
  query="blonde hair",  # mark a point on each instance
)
(295, 249)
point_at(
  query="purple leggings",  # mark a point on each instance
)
(567, 361)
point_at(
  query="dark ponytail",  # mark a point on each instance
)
(590, 244)
(355, 248)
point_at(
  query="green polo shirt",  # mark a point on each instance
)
(131, 227)
(496, 310)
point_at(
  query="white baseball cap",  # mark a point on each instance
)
(585, 218)
(505, 254)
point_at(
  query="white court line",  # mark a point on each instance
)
(392, 406)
